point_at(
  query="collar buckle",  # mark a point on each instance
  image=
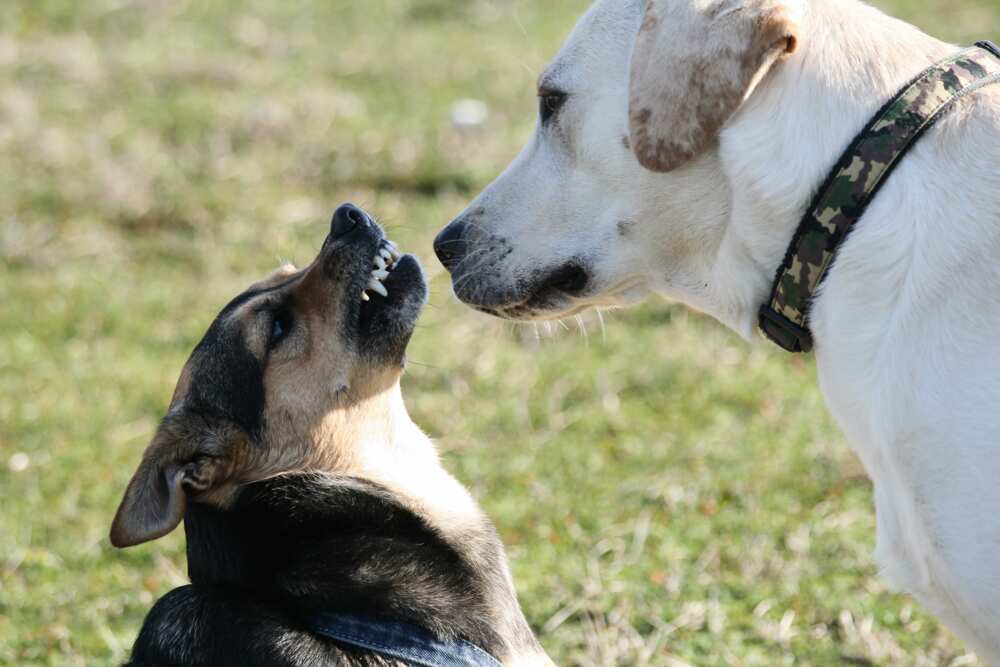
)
(783, 332)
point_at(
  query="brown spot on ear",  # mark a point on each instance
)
(777, 30)
(650, 21)
(691, 73)
(641, 142)
(654, 152)
(792, 44)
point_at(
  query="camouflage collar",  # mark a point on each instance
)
(857, 178)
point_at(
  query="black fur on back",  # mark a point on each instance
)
(304, 543)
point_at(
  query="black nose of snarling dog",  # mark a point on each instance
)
(346, 218)
(449, 245)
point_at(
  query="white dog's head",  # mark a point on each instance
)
(620, 191)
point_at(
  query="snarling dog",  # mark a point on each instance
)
(321, 527)
(679, 145)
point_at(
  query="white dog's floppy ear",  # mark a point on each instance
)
(694, 63)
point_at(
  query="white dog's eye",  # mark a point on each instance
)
(549, 103)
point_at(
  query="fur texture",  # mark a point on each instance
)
(304, 485)
(308, 543)
(905, 324)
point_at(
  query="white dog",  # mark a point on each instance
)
(755, 100)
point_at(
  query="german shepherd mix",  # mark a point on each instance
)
(306, 490)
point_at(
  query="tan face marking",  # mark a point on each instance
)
(284, 380)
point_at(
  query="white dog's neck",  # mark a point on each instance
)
(780, 146)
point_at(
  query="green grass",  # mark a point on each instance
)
(668, 494)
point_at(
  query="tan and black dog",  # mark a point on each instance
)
(321, 527)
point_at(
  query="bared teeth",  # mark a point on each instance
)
(384, 261)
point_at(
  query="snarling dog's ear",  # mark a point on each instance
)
(189, 455)
(694, 63)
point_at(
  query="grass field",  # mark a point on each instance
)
(669, 495)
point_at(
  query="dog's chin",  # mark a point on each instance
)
(556, 294)
(549, 303)
(386, 322)
(539, 305)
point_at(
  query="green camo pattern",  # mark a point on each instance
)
(864, 167)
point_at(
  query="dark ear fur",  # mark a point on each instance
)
(185, 457)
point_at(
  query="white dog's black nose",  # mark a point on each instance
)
(346, 218)
(450, 246)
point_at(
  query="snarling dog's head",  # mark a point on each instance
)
(281, 380)
(620, 191)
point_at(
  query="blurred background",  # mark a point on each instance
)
(669, 495)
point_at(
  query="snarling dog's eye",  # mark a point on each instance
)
(281, 326)
(549, 103)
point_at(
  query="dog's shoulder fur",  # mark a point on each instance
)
(303, 544)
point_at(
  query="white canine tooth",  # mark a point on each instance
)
(377, 287)
(364, 296)
(379, 262)
(380, 275)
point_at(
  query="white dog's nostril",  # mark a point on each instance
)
(571, 279)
